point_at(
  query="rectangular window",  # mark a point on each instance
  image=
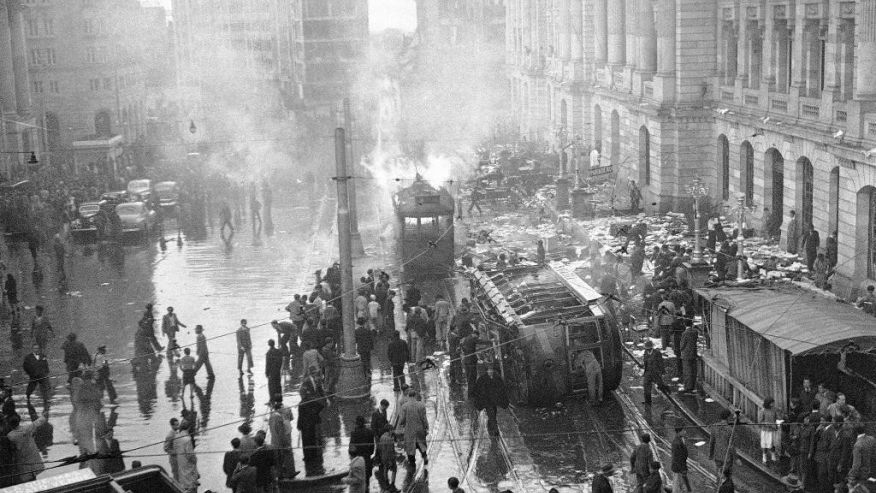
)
(33, 28)
(50, 56)
(37, 86)
(107, 83)
(91, 54)
(49, 26)
(35, 57)
(90, 26)
(94, 84)
(53, 86)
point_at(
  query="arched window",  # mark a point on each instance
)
(597, 128)
(564, 114)
(644, 156)
(724, 166)
(53, 132)
(806, 187)
(833, 200)
(866, 232)
(746, 165)
(615, 138)
(774, 182)
(103, 124)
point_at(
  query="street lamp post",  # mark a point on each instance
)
(697, 189)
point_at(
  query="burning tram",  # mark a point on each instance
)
(551, 317)
(424, 227)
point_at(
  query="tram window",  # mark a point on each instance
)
(584, 332)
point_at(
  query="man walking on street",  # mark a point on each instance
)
(398, 353)
(640, 461)
(36, 366)
(653, 373)
(721, 448)
(75, 356)
(469, 347)
(244, 347)
(412, 417)
(170, 325)
(443, 314)
(169, 448)
(287, 334)
(490, 393)
(189, 367)
(364, 344)
(203, 353)
(688, 357)
(274, 369)
(679, 461)
(40, 328)
(665, 320)
(101, 364)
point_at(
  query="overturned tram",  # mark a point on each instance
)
(550, 318)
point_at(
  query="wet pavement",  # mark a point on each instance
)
(213, 284)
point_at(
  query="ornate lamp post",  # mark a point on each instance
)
(697, 189)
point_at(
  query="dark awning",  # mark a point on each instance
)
(797, 320)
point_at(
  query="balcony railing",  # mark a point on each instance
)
(779, 104)
(727, 96)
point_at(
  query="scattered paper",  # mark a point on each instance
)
(699, 444)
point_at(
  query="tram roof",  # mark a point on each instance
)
(421, 199)
(797, 320)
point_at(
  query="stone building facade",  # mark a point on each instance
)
(86, 69)
(773, 100)
(18, 129)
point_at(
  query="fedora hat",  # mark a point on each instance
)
(607, 470)
(649, 344)
(791, 480)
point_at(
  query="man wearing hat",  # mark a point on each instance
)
(653, 373)
(601, 483)
(490, 393)
(101, 365)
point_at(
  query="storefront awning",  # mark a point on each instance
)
(795, 319)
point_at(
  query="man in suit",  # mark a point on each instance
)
(109, 455)
(653, 373)
(490, 394)
(412, 417)
(312, 403)
(380, 418)
(820, 453)
(37, 368)
(274, 369)
(230, 461)
(863, 457)
(688, 350)
(679, 461)
(721, 448)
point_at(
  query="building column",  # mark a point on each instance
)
(770, 51)
(865, 51)
(666, 37)
(565, 22)
(577, 27)
(7, 73)
(798, 65)
(647, 38)
(615, 21)
(600, 31)
(631, 30)
(743, 47)
(19, 57)
(831, 85)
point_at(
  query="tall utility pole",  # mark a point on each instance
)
(355, 237)
(352, 381)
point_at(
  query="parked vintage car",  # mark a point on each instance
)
(84, 227)
(136, 217)
(139, 187)
(114, 198)
(167, 195)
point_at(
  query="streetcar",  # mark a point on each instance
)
(424, 228)
(550, 317)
